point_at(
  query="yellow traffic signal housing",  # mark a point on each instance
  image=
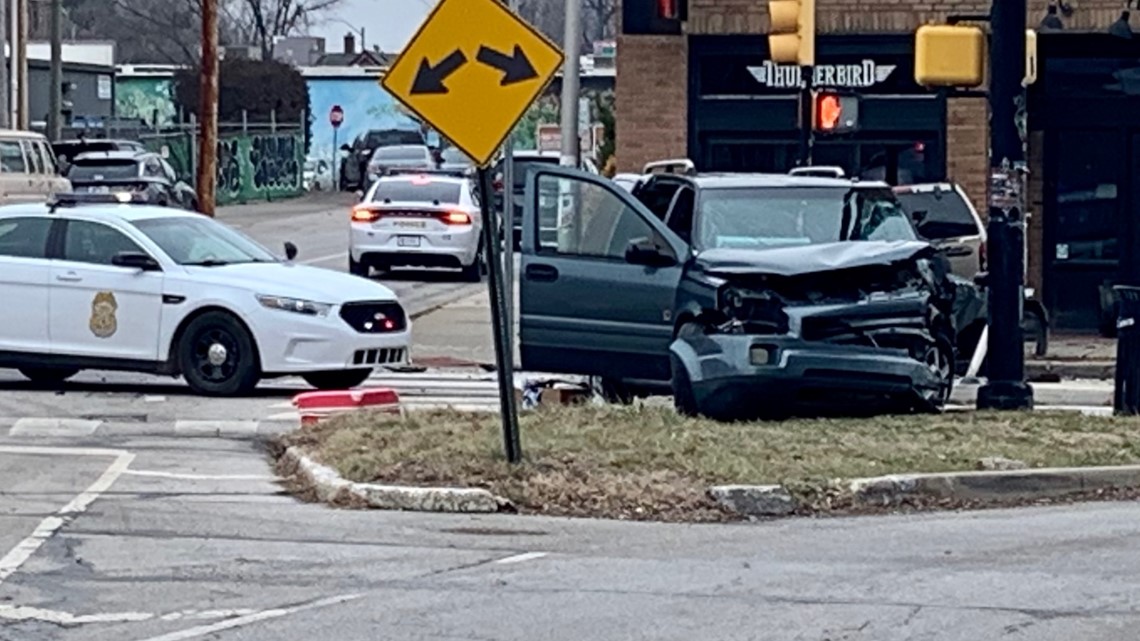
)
(949, 56)
(791, 38)
(834, 113)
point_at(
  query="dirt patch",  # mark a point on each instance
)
(648, 463)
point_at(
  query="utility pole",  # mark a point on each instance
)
(208, 110)
(55, 106)
(13, 10)
(572, 49)
(23, 122)
(1006, 388)
(5, 94)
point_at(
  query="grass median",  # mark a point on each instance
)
(647, 462)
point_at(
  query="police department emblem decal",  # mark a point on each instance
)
(103, 322)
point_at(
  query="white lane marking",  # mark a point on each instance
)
(25, 613)
(284, 416)
(24, 550)
(264, 615)
(54, 427)
(200, 477)
(154, 399)
(324, 259)
(520, 558)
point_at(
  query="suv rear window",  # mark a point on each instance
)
(401, 153)
(947, 215)
(96, 170)
(418, 191)
(380, 138)
(523, 165)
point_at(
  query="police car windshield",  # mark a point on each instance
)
(201, 241)
(757, 218)
(417, 190)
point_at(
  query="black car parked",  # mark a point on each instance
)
(144, 174)
(354, 167)
(68, 150)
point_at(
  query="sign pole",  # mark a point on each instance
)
(500, 322)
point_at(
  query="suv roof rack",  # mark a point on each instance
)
(819, 172)
(682, 166)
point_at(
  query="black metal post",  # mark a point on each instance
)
(806, 124)
(500, 323)
(1006, 388)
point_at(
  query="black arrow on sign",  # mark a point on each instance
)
(430, 79)
(516, 68)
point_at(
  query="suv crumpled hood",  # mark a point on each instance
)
(810, 259)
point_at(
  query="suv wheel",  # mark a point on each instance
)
(48, 375)
(217, 356)
(357, 268)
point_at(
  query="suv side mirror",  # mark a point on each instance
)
(347, 148)
(135, 260)
(643, 251)
(919, 217)
(290, 251)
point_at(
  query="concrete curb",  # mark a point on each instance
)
(1008, 486)
(332, 488)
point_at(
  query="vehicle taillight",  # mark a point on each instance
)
(498, 183)
(365, 215)
(456, 218)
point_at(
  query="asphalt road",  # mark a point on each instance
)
(192, 539)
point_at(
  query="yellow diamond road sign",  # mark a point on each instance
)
(471, 72)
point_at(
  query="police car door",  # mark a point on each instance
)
(99, 309)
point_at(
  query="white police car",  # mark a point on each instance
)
(418, 219)
(151, 289)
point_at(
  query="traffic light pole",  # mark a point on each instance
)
(1006, 388)
(806, 124)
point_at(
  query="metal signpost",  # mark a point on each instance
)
(336, 119)
(473, 86)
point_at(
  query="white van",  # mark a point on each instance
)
(28, 168)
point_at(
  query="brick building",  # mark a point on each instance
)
(702, 88)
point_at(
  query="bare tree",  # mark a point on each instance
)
(599, 18)
(261, 21)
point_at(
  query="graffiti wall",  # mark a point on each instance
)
(145, 97)
(260, 167)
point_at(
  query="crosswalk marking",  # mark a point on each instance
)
(67, 427)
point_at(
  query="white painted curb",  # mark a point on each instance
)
(332, 488)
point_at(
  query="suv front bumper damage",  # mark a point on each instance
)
(735, 376)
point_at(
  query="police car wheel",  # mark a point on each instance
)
(338, 380)
(473, 273)
(217, 356)
(47, 375)
(357, 269)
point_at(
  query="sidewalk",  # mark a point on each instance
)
(311, 202)
(1073, 356)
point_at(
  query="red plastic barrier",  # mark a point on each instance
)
(316, 406)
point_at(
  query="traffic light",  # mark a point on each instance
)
(792, 32)
(834, 113)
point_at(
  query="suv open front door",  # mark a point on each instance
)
(599, 279)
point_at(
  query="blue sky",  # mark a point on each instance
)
(388, 23)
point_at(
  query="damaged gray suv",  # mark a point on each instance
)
(745, 295)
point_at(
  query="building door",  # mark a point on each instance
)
(1092, 212)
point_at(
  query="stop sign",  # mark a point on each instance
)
(336, 115)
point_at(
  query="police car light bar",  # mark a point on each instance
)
(121, 198)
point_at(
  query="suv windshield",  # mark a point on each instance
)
(944, 214)
(755, 217)
(202, 241)
(417, 190)
(99, 170)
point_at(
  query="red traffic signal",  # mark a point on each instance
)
(834, 113)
